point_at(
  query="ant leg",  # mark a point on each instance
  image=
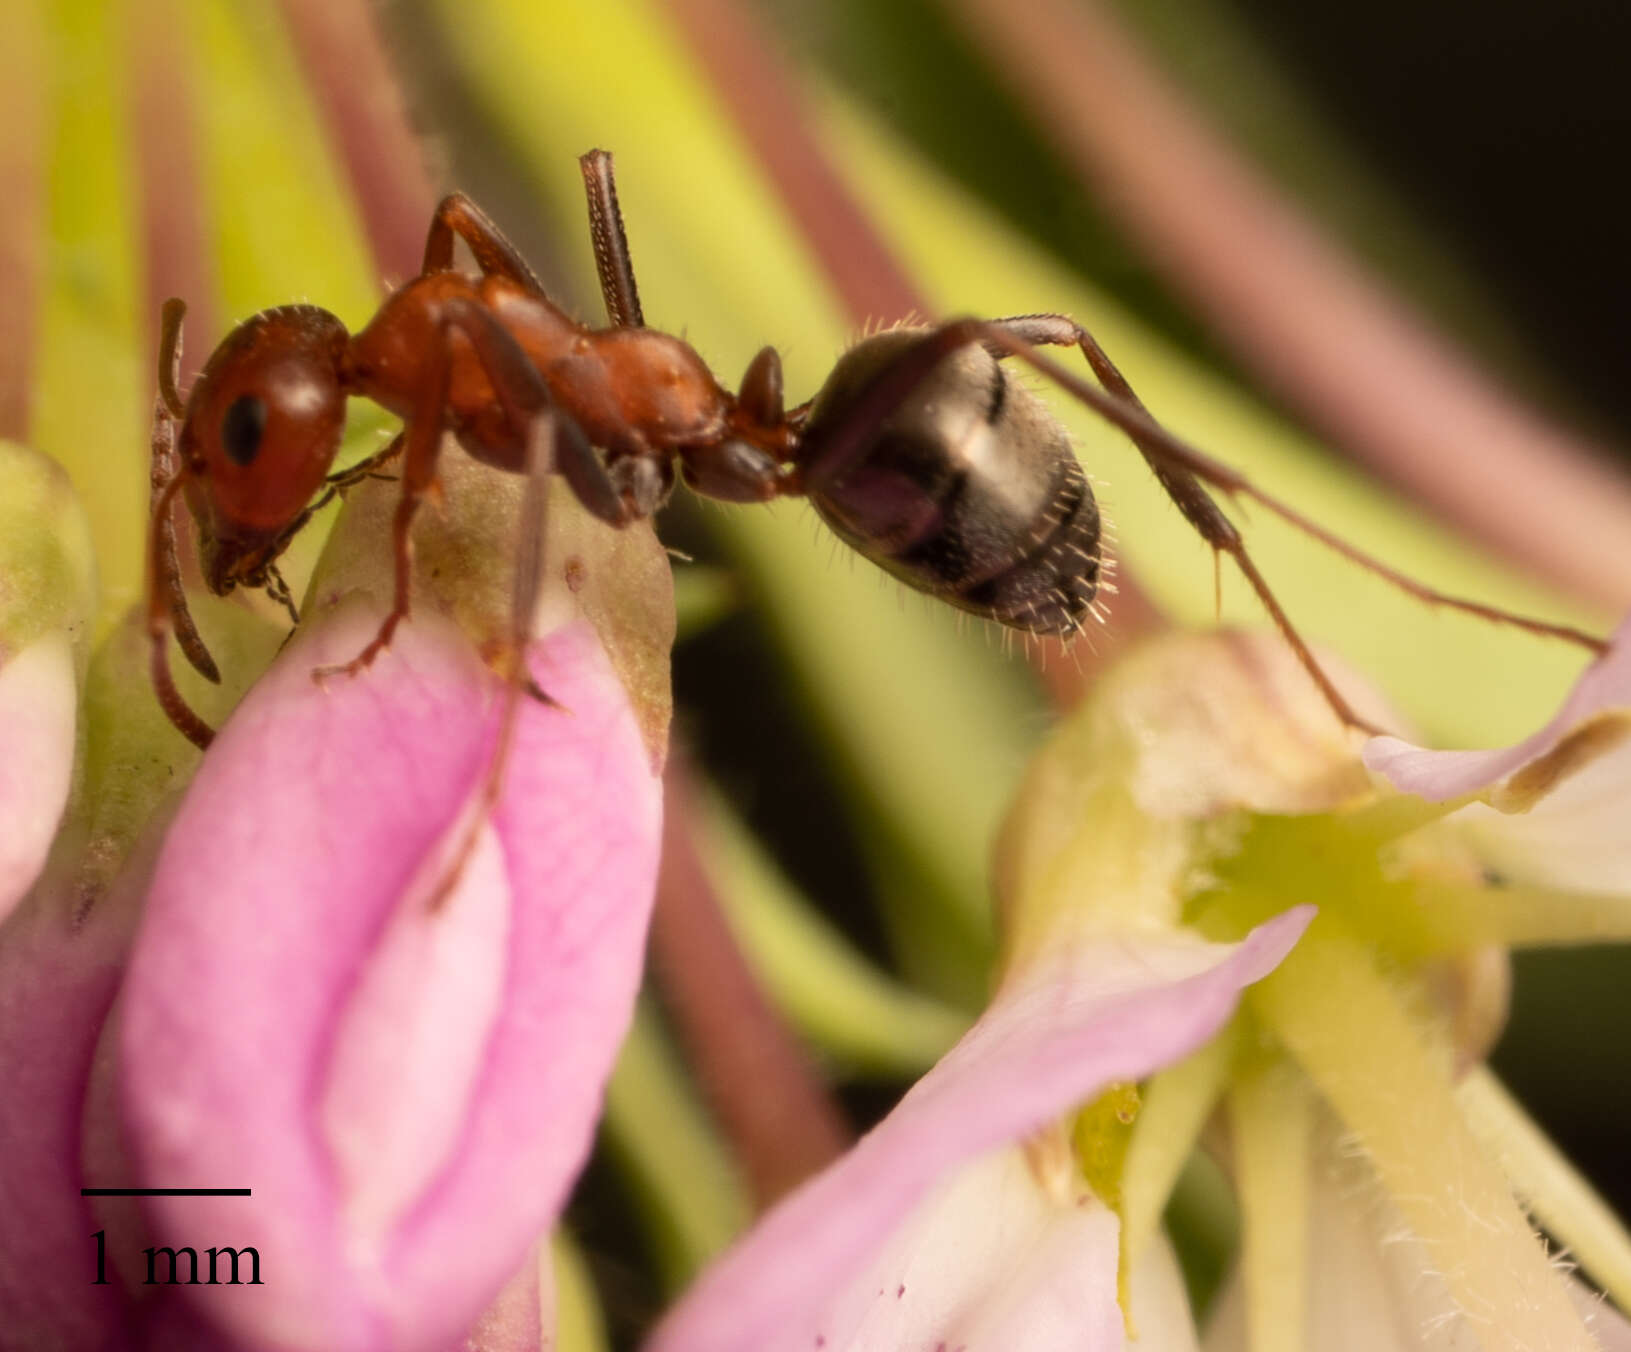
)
(457, 215)
(1161, 448)
(422, 442)
(1182, 486)
(175, 310)
(522, 393)
(278, 589)
(524, 397)
(851, 438)
(611, 242)
(529, 563)
(365, 468)
(335, 484)
(644, 482)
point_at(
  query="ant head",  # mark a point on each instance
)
(263, 423)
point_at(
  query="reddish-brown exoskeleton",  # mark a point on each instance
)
(919, 451)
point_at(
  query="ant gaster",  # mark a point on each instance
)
(920, 451)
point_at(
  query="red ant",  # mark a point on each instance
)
(919, 451)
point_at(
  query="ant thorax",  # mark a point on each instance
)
(969, 490)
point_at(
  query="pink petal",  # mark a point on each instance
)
(38, 695)
(987, 1261)
(1573, 837)
(425, 1004)
(58, 975)
(1439, 776)
(515, 1321)
(408, 1092)
(1072, 1022)
(1606, 1324)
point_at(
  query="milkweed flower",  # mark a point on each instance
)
(941, 1227)
(1204, 793)
(405, 1075)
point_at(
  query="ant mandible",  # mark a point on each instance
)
(919, 451)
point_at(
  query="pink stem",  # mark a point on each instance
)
(350, 73)
(766, 1095)
(1366, 370)
(175, 253)
(761, 92)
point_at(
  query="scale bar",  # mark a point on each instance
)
(164, 1192)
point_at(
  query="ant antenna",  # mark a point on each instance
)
(167, 610)
(164, 585)
(175, 310)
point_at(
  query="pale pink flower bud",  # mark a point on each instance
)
(408, 1088)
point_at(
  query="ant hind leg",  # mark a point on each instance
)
(518, 680)
(1181, 470)
(1178, 479)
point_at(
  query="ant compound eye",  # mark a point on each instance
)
(263, 420)
(242, 429)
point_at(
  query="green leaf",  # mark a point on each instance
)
(838, 1000)
(692, 1198)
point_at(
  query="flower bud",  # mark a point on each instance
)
(46, 592)
(382, 975)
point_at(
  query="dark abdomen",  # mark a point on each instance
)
(969, 492)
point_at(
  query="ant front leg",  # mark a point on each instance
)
(521, 392)
(457, 215)
(421, 442)
(366, 468)
(335, 485)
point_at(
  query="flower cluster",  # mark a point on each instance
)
(334, 974)
(367, 970)
(1203, 791)
(357, 972)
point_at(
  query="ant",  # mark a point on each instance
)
(920, 451)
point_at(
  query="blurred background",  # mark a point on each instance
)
(1371, 255)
